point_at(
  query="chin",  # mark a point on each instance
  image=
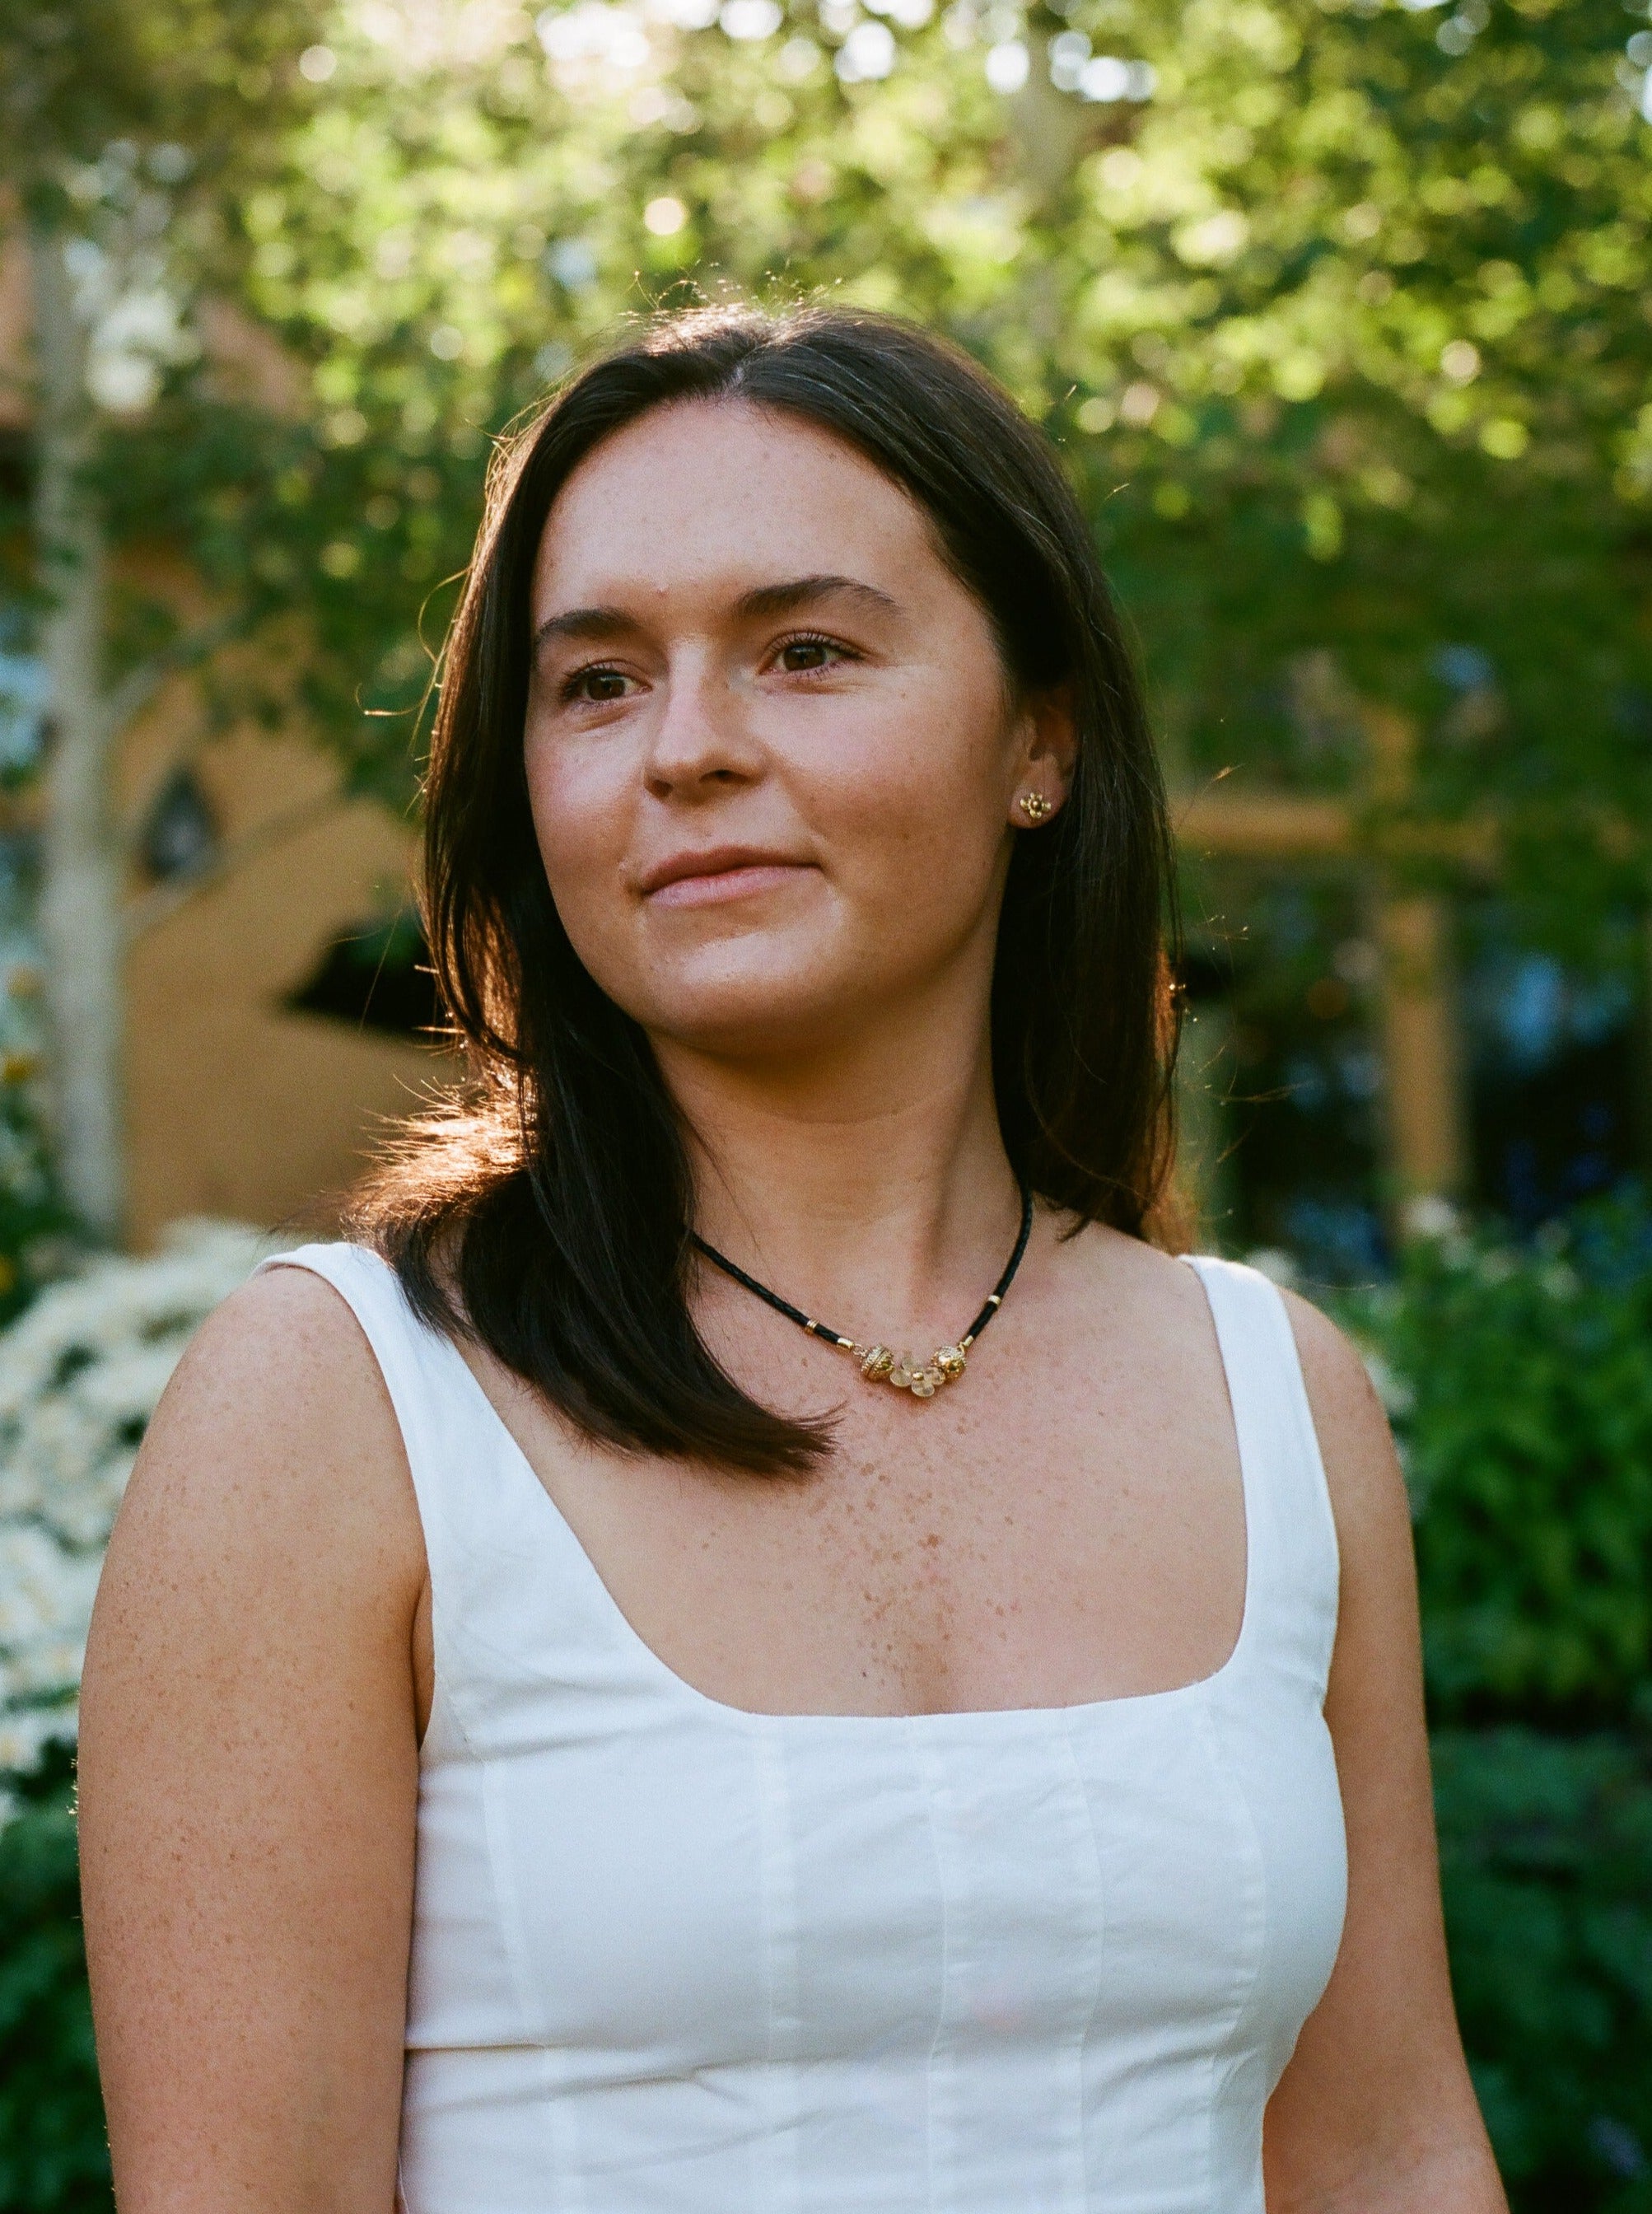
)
(753, 1016)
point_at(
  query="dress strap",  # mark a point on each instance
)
(515, 1602)
(413, 1359)
(1293, 1567)
(485, 1517)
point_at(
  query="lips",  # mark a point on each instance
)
(726, 872)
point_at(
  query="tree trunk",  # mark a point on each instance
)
(80, 904)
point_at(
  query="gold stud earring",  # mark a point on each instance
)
(1033, 805)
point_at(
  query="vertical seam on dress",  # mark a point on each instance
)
(778, 2151)
(1247, 1986)
(556, 2120)
(922, 1768)
(1241, 1319)
(1099, 1949)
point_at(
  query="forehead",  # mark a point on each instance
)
(701, 492)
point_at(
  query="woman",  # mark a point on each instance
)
(606, 1695)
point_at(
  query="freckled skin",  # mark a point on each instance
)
(886, 761)
(900, 1577)
(1063, 1525)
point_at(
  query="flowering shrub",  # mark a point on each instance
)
(80, 1374)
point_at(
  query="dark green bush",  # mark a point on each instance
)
(1520, 1384)
(1545, 1849)
(53, 2157)
(1525, 1414)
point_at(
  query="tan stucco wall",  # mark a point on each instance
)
(235, 1106)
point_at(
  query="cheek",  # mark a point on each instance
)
(580, 821)
(914, 795)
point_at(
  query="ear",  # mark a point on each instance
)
(1047, 746)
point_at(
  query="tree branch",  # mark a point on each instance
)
(138, 687)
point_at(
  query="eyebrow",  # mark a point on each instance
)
(788, 598)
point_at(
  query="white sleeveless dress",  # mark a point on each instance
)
(670, 1957)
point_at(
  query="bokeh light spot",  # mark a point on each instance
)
(1504, 438)
(750, 19)
(866, 54)
(1007, 65)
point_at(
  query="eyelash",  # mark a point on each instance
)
(570, 691)
(814, 638)
(570, 685)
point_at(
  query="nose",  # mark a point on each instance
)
(701, 740)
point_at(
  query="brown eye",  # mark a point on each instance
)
(597, 685)
(800, 655)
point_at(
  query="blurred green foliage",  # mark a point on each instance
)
(53, 2157)
(1524, 1417)
(1546, 1846)
(1520, 1381)
(35, 1226)
(1340, 329)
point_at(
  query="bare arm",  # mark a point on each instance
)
(1376, 2114)
(248, 1774)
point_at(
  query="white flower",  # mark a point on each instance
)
(81, 1371)
(1431, 1215)
(1273, 1262)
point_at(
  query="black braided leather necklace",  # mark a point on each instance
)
(879, 1365)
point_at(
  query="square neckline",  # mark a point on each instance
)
(676, 1685)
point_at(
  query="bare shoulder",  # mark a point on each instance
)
(1122, 1273)
(1366, 1495)
(249, 1769)
(1333, 1368)
(276, 1440)
(1362, 1470)
(1163, 1296)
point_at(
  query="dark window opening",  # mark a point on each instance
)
(1553, 1077)
(180, 835)
(375, 976)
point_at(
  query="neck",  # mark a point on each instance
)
(867, 1183)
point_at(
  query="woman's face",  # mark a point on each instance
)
(771, 755)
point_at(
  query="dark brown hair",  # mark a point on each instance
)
(548, 1213)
